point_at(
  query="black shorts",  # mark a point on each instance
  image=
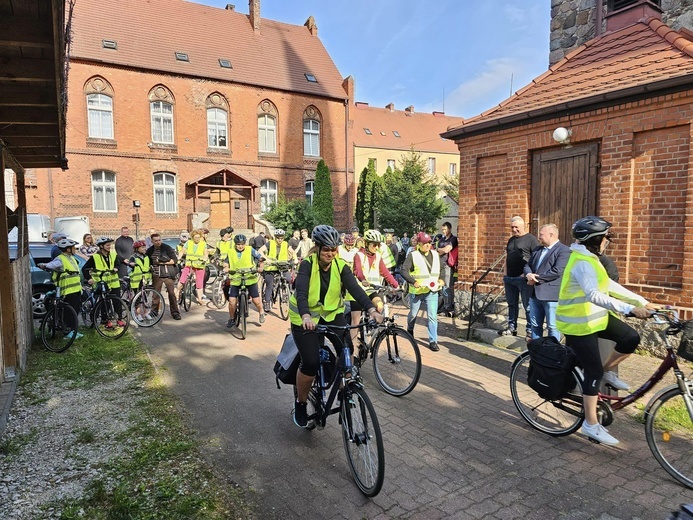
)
(233, 291)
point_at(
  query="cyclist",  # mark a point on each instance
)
(180, 246)
(69, 282)
(346, 250)
(320, 283)
(225, 244)
(274, 251)
(106, 263)
(243, 257)
(195, 252)
(141, 270)
(586, 296)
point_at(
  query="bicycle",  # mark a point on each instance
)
(361, 435)
(56, 334)
(668, 415)
(241, 316)
(396, 356)
(218, 297)
(186, 292)
(143, 310)
(107, 313)
(281, 290)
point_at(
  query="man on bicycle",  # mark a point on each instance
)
(274, 251)
(103, 266)
(243, 257)
(318, 299)
(585, 300)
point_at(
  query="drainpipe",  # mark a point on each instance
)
(346, 159)
(51, 201)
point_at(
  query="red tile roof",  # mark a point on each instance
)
(150, 32)
(609, 67)
(420, 130)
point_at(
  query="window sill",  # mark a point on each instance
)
(218, 151)
(163, 147)
(266, 156)
(312, 159)
(93, 142)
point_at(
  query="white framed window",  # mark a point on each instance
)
(164, 192)
(103, 191)
(216, 128)
(310, 191)
(453, 169)
(100, 111)
(268, 194)
(267, 133)
(162, 122)
(311, 138)
(432, 165)
(391, 164)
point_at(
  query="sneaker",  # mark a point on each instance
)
(109, 324)
(230, 323)
(598, 433)
(611, 379)
(176, 316)
(434, 346)
(507, 332)
(262, 317)
(74, 334)
(301, 414)
(121, 323)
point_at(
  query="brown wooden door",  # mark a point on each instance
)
(564, 187)
(220, 208)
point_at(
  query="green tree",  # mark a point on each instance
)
(290, 214)
(365, 210)
(323, 206)
(451, 186)
(408, 203)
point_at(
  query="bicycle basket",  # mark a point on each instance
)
(685, 349)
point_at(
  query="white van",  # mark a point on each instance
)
(73, 227)
(38, 225)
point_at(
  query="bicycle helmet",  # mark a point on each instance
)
(588, 227)
(279, 233)
(240, 239)
(64, 243)
(324, 235)
(138, 244)
(349, 239)
(373, 235)
(103, 240)
(423, 238)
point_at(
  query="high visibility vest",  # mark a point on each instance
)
(282, 256)
(575, 314)
(196, 254)
(244, 262)
(180, 247)
(109, 277)
(224, 247)
(387, 255)
(333, 304)
(69, 280)
(347, 256)
(140, 271)
(428, 279)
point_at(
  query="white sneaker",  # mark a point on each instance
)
(598, 433)
(612, 379)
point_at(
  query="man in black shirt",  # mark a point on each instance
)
(163, 260)
(447, 249)
(519, 248)
(124, 249)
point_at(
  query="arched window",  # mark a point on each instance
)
(267, 127)
(164, 192)
(161, 111)
(103, 191)
(310, 191)
(268, 194)
(311, 132)
(217, 121)
(99, 108)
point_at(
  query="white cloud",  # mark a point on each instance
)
(515, 14)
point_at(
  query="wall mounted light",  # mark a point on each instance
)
(562, 135)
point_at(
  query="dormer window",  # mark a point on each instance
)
(383, 134)
(109, 44)
(311, 78)
(396, 133)
(182, 56)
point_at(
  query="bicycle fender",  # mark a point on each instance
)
(658, 395)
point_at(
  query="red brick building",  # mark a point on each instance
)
(625, 99)
(201, 114)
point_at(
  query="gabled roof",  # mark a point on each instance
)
(227, 178)
(148, 33)
(642, 57)
(419, 130)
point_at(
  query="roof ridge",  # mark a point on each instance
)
(675, 38)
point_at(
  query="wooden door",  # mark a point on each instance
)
(564, 187)
(220, 209)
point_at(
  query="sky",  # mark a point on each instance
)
(457, 56)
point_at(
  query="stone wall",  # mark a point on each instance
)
(573, 22)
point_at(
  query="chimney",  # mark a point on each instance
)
(254, 14)
(230, 7)
(438, 113)
(622, 13)
(390, 107)
(310, 23)
(410, 108)
(349, 87)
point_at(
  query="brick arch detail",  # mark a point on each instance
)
(217, 100)
(98, 85)
(312, 112)
(161, 93)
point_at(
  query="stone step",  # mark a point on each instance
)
(491, 337)
(499, 321)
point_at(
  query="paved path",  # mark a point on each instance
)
(455, 447)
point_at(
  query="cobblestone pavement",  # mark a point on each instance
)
(455, 447)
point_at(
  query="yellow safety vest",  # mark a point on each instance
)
(333, 304)
(283, 255)
(387, 255)
(244, 262)
(347, 256)
(428, 280)
(141, 270)
(224, 248)
(69, 280)
(196, 255)
(109, 277)
(575, 315)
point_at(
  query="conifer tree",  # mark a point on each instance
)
(323, 205)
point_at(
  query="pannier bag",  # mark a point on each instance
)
(286, 367)
(686, 346)
(550, 368)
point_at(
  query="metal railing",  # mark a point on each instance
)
(495, 291)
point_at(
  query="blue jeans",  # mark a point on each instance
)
(540, 310)
(516, 286)
(431, 300)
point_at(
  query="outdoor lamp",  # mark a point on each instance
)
(562, 135)
(135, 203)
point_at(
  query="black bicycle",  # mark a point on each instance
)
(59, 325)
(186, 292)
(144, 309)
(281, 290)
(218, 297)
(106, 312)
(363, 440)
(241, 316)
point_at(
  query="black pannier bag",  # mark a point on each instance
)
(686, 346)
(288, 360)
(550, 368)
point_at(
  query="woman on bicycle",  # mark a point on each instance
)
(274, 251)
(585, 300)
(195, 252)
(318, 299)
(243, 257)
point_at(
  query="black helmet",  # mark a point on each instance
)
(225, 230)
(240, 239)
(324, 235)
(588, 227)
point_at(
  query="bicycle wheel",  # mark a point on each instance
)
(243, 314)
(212, 273)
(143, 310)
(283, 297)
(111, 317)
(187, 294)
(363, 441)
(669, 432)
(87, 312)
(396, 361)
(560, 417)
(218, 298)
(56, 334)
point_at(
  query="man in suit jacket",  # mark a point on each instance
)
(543, 272)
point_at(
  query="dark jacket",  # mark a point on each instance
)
(549, 271)
(161, 256)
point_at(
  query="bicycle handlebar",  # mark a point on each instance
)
(322, 329)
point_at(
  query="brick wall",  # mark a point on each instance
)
(645, 190)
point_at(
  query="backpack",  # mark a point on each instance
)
(550, 368)
(288, 360)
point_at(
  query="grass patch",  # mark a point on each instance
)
(14, 445)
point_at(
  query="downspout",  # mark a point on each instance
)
(51, 201)
(346, 159)
(600, 14)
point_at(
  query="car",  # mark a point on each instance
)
(41, 283)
